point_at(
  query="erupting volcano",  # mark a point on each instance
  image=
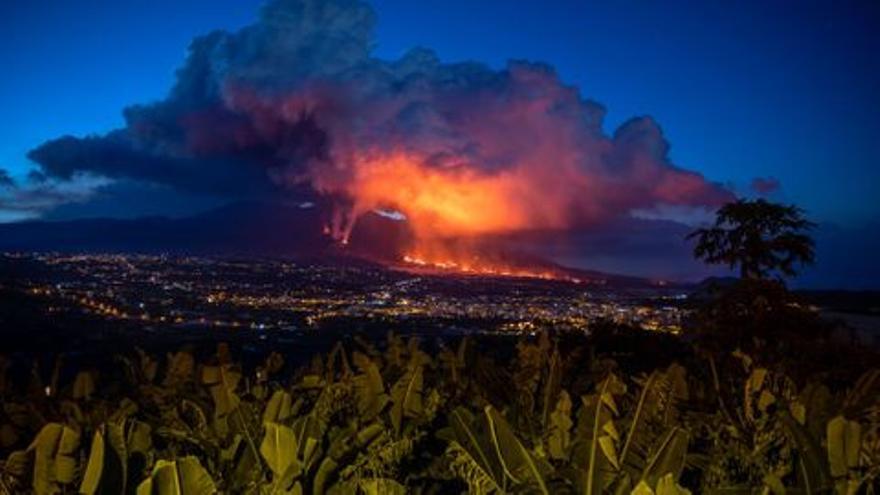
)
(452, 205)
(443, 206)
(296, 107)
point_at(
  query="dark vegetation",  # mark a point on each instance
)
(617, 411)
(763, 239)
(757, 397)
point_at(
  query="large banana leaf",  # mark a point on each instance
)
(406, 396)
(473, 451)
(650, 421)
(552, 386)
(337, 354)
(241, 465)
(279, 449)
(844, 443)
(668, 457)
(337, 473)
(635, 448)
(369, 388)
(594, 459)
(222, 381)
(119, 453)
(106, 471)
(309, 433)
(55, 450)
(812, 469)
(519, 464)
(486, 451)
(278, 409)
(559, 437)
(666, 485)
(382, 486)
(138, 437)
(83, 386)
(184, 476)
(818, 406)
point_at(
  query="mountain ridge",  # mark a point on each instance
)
(244, 228)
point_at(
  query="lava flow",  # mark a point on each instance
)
(478, 256)
(475, 267)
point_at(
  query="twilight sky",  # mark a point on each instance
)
(774, 91)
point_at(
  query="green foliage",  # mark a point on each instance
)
(184, 476)
(279, 449)
(406, 395)
(392, 418)
(54, 451)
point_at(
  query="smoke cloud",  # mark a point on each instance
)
(29, 198)
(765, 186)
(295, 105)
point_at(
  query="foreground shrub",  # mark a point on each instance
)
(393, 418)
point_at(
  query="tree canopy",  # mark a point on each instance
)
(761, 238)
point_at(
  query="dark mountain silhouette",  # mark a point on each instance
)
(242, 229)
(238, 228)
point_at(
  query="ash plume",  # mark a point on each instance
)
(296, 105)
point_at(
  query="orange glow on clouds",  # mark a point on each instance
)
(445, 202)
(442, 203)
(461, 200)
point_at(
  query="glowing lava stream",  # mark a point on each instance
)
(488, 270)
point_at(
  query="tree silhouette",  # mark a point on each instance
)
(762, 238)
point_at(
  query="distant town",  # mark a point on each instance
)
(268, 296)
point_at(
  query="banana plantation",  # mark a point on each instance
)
(393, 415)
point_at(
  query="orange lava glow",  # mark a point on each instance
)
(443, 203)
(449, 201)
(476, 267)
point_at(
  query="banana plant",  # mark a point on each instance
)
(369, 388)
(298, 463)
(179, 370)
(666, 485)
(119, 454)
(484, 451)
(844, 440)
(406, 395)
(593, 456)
(654, 444)
(183, 476)
(280, 407)
(49, 463)
(83, 386)
(55, 461)
(222, 381)
(280, 450)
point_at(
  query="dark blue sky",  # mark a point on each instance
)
(781, 89)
